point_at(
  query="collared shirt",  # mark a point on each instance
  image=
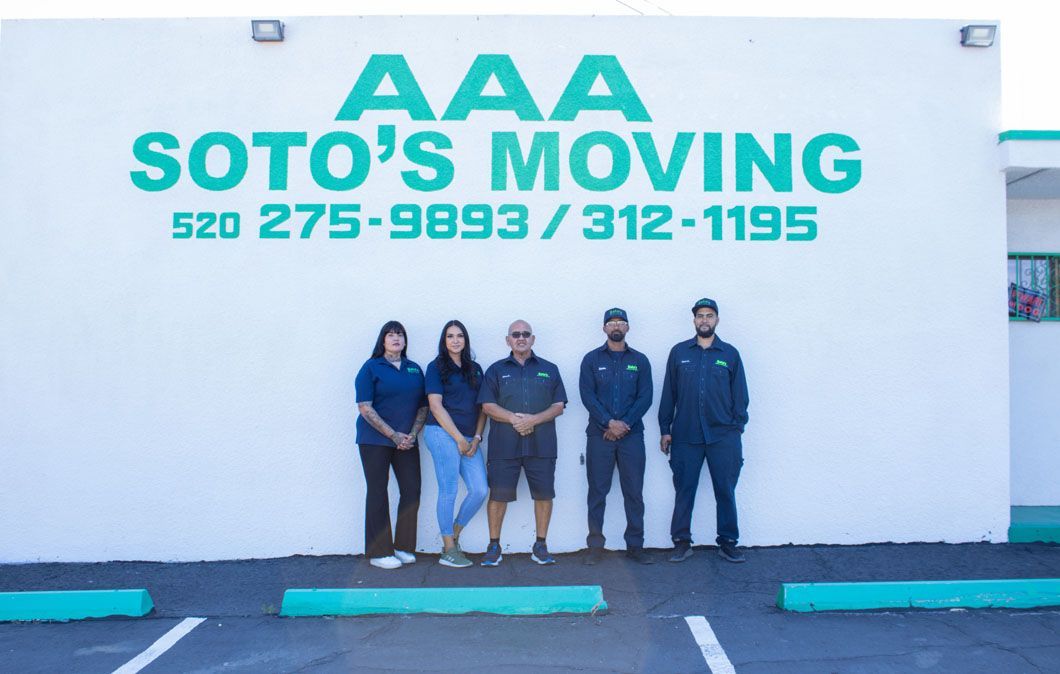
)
(615, 385)
(529, 388)
(704, 392)
(459, 397)
(396, 394)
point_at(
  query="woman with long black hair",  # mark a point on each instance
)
(453, 434)
(390, 399)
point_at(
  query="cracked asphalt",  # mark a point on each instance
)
(643, 631)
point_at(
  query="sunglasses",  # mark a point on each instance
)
(525, 334)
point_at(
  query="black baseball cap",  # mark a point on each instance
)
(705, 303)
(615, 314)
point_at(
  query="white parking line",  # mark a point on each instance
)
(164, 643)
(712, 651)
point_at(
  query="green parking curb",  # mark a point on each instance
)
(74, 605)
(1033, 524)
(448, 600)
(1011, 593)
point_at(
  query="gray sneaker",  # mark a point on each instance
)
(454, 558)
(682, 551)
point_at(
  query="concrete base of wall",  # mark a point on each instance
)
(1033, 524)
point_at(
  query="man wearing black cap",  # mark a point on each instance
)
(616, 388)
(702, 413)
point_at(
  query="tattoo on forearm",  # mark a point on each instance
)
(376, 421)
(421, 418)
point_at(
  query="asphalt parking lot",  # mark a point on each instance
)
(646, 629)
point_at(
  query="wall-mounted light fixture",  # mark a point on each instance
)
(266, 30)
(978, 35)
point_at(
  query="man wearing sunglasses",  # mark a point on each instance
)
(522, 395)
(702, 413)
(615, 386)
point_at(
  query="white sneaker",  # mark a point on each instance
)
(390, 562)
(405, 557)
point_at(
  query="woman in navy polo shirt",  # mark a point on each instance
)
(453, 433)
(392, 409)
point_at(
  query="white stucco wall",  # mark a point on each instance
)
(1034, 363)
(193, 399)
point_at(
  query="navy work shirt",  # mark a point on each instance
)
(459, 397)
(704, 392)
(529, 388)
(615, 385)
(396, 395)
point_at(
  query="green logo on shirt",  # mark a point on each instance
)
(543, 374)
(631, 368)
(413, 370)
(721, 362)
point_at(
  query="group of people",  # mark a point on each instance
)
(702, 413)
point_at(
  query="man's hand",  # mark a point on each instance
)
(664, 443)
(617, 428)
(609, 436)
(524, 423)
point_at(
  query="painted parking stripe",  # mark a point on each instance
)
(712, 651)
(164, 643)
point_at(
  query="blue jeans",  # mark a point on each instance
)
(449, 466)
(724, 459)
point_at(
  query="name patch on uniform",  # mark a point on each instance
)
(601, 368)
(685, 361)
(721, 362)
(413, 370)
(543, 374)
(631, 368)
(505, 376)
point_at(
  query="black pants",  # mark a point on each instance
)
(600, 459)
(377, 460)
(724, 459)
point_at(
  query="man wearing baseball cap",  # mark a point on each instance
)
(702, 413)
(616, 388)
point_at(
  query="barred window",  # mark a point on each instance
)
(1034, 278)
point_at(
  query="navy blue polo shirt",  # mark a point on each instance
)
(704, 392)
(528, 388)
(615, 385)
(396, 395)
(459, 397)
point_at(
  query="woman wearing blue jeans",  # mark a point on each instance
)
(453, 434)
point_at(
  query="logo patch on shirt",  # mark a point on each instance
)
(601, 369)
(631, 368)
(721, 362)
(413, 370)
(543, 374)
(506, 376)
(683, 362)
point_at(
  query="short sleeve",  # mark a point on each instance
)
(559, 394)
(365, 384)
(490, 390)
(433, 379)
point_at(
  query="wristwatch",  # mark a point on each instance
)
(479, 438)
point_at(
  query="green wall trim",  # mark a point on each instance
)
(451, 600)
(74, 605)
(1013, 593)
(1032, 524)
(1028, 134)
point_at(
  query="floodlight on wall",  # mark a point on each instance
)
(978, 35)
(266, 30)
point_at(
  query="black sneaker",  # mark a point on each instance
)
(593, 556)
(727, 549)
(640, 557)
(493, 555)
(682, 551)
(540, 554)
